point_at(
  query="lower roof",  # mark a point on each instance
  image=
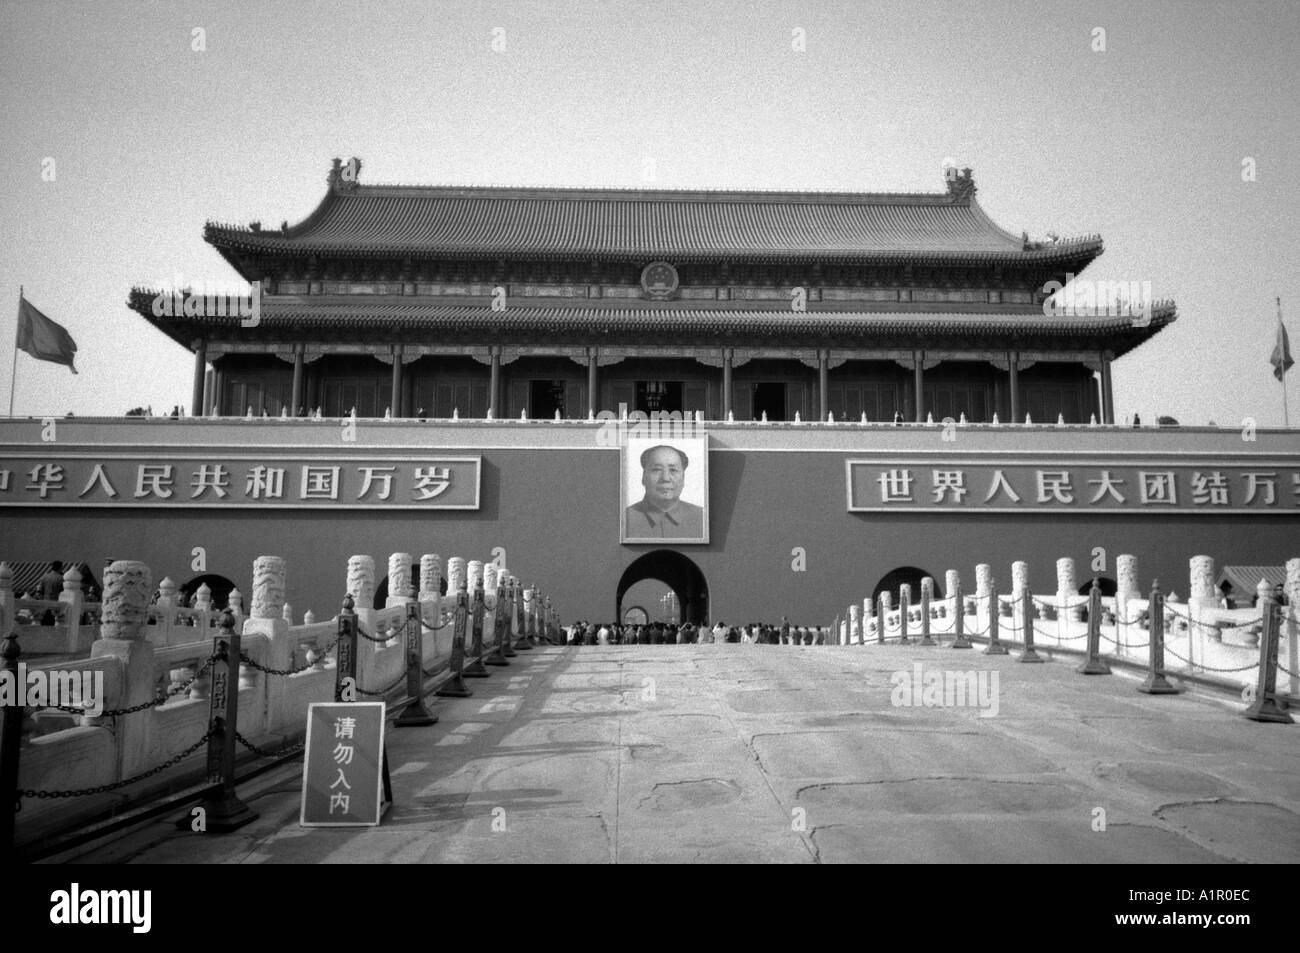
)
(417, 319)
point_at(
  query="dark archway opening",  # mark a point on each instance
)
(675, 571)
(220, 586)
(910, 576)
(1107, 586)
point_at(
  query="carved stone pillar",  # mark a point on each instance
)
(1066, 586)
(456, 581)
(430, 576)
(1201, 589)
(361, 581)
(1019, 578)
(399, 579)
(128, 587)
(268, 587)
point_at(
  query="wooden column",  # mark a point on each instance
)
(218, 389)
(1014, 365)
(823, 386)
(494, 384)
(726, 383)
(395, 400)
(592, 398)
(1107, 394)
(200, 367)
(296, 404)
(919, 385)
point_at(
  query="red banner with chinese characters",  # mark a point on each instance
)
(223, 480)
(987, 485)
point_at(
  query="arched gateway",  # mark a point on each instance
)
(677, 572)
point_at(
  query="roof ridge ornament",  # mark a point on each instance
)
(345, 177)
(961, 184)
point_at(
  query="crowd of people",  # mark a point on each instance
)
(687, 633)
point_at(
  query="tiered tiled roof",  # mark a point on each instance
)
(450, 222)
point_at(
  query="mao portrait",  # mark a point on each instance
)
(665, 491)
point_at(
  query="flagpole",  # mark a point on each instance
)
(13, 374)
(1286, 414)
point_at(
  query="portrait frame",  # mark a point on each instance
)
(694, 493)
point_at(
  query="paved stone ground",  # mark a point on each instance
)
(719, 753)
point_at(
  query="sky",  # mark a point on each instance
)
(1167, 127)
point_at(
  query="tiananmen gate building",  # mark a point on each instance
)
(853, 389)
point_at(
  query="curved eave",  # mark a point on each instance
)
(233, 245)
(363, 319)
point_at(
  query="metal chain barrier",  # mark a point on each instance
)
(446, 620)
(1058, 610)
(381, 640)
(1130, 645)
(105, 788)
(401, 678)
(1206, 668)
(263, 753)
(143, 706)
(284, 672)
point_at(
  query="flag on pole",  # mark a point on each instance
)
(1281, 357)
(42, 338)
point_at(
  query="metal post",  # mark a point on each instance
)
(521, 624)
(1094, 664)
(959, 621)
(1027, 621)
(506, 613)
(415, 715)
(475, 668)
(11, 737)
(1156, 683)
(925, 614)
(455, 686)
(224, 810)
(880, 619)
(345, 672)
(904, 606)
(995, 645)
(1265, 706)
(498, 656)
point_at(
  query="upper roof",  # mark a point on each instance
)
(450, 222)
